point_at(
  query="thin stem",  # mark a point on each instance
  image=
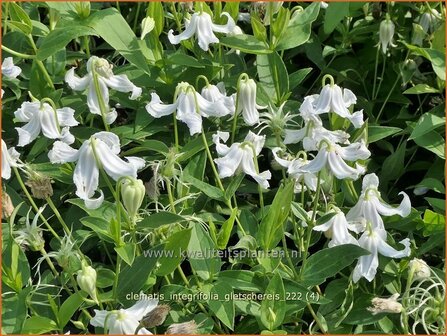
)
(375, 73)
(386, 99)
(49, 262)
(175, 131)
(16, 53)
(40, 63)
(115, 282)
(86, 41)
(170, 196)
(58, 215)
(289, 259)
(33, 204)
(323, 330)
(381, 77)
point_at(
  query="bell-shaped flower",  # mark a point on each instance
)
(202, 26)
(9, 69)
(9, 159)
(333, 156)
(313, 131)
(374, 240)
(371, 207)
(338, 229)
(246, 100)
(125, 321)
(241, 157)
(294, 170)
(333, 99)
(99, 78)
(386, 34)
(189, 106)
(217, 94)
(42, 117)
(99, 152)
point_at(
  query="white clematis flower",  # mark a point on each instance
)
(9, 159)
(370, 206)
(217, 94)
(202, 26)
(374, 240)
(190, 107)
(99, 78)
(337, 227)
(41, 117)
(246, 100)
(241, 156)
(386, 34)
(294, 170)
(100, 151)
(333, 156)
(124, 321)
(9, 69)
(313, 131)
(333, 99)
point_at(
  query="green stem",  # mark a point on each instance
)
(16, 53)
(375, 73)
(86, 41)
(58, 215)
(33, 204)
(49, 262)
(115, 282)
(40, 63)
(311, 223)
(386, 99)
(289, 259)
(381, 77)
(176, 131)
(170, 196)
(323, 330)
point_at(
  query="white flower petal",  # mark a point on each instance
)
(48, 122)
(372, 216)
(317, 163)
(248, 166)
(189, 31)
(388, 251)
(99, 319)
(228, 164)
(257, 141)
(187, 113)
(370, 181)
(339, 167)
(142, 307)
(157, 109)
(62, 153)
(221, 149)
(86, 173)
(402, 210)
(111, 116)
(353, 152)
(92, 97)
(227, 28)
(29, 132)
(357, 119)
(26, 111)
(349, 97)
(9, 69)
(323, 102)
(294, 136)
(65, 116)
(122, 83)
(282, 162)
(367, 265)
(75, 82)
(205, 33)
(110, 139)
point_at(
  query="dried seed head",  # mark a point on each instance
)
(40, 185)
(185, 328)
(156, 316)
(389, 305)
(7, 206)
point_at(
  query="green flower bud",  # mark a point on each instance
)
(87, 281)
(147, 25)
(132, 193)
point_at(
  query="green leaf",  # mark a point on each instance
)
(174, 248)
(100, 226)
(149, 145)
(221, 305)
(68, 308)
(18, 15)
(59, 38)
(376, 133)
(271, 227)
(127, 253)
(433, 142)
(246, 43)
(225, 231)
(432, 184)
(106, 211)
(159, 219)
(185, 60)
(299, 28)
(426, 123)
(234, 184)
(393, 165)
(298, 77)
(273, 307)
(321, 265)
(436, 57)
(207, 189)
(114, 29)
(420, 89)
(38, 325)
(133, 278)
(433, 223)
(335, 13)
(273, 75)
(241, 280)
(199, 249)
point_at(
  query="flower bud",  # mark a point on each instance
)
(87, 281)
(389, 305)
(147, 25)
(185, 328)
(83, 8)
(246, 101)
(7, 206)
(132, 193)
(386, 33)
(155, 317)
(420, 268)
